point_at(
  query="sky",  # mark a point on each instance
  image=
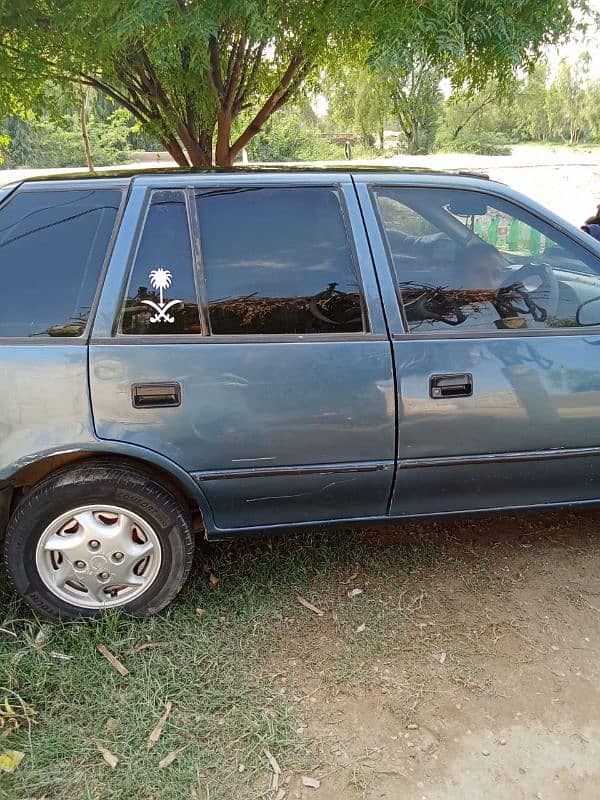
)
(572, 49)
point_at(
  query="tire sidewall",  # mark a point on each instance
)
(150, 501)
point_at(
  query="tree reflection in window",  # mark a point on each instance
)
(277, 260)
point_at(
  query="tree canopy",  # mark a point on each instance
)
(204, 76)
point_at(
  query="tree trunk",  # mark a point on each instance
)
(176, 152)
(83, 119)
(223, 155)
(195, 152)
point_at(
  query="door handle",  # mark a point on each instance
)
(451, 385)
(155, 395)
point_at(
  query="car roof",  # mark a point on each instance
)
(128, 174)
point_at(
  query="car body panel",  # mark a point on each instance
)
(44, 405)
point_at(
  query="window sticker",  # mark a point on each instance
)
(160, 279)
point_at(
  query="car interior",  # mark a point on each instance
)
(429, 244)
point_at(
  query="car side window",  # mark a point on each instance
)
(278, 260)
(161, 297)
(53, 244)
(488, 265)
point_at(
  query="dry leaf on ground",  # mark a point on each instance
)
(8, 710)
(273, 762)
(318, 611)
(41, 637)
(169, 758)
(61, 656)
(109, 757)
(145, 646)
(158, 728)
(112, 660)
(10, 760)
(313, 783)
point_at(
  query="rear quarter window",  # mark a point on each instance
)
(53, 244)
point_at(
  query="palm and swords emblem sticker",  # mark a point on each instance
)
(160, 280)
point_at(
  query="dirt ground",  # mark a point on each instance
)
(492, 686)
(563, 179)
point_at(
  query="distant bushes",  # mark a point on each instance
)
(58, 143)
(287, 137)
(483, 143)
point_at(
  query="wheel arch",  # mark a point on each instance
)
(35, 468)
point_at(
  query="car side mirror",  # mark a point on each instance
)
(588, 313)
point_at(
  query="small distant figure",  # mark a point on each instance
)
(348, 150)
(592, 225)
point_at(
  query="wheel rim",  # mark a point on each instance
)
(98, 556)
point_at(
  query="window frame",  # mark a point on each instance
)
(206, 336)
(453, 333)
(130, 265)
(108, 184)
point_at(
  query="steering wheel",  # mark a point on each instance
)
(542, 301)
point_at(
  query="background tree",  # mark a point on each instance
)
(467, 110)
(532, 104)
(592, 109)
(373, 105)
(565, 101)
(359, 100)
(187, 70)
(416, 103)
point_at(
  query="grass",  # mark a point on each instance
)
(255, 670)
(237, 672)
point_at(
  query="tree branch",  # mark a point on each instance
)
(292, 77)
(215, 65)
(478, 108)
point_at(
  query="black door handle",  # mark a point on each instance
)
(451, 385)
(155, 395)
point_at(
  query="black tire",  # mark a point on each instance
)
(97, 482)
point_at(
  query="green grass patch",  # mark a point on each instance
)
(221, 669)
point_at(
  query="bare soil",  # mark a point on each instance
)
(490, 686)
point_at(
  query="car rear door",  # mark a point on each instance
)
(240, 334)
(498, 375)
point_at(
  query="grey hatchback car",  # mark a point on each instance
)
(224, 353)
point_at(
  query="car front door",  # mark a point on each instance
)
(240, 334)
(494, 314)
